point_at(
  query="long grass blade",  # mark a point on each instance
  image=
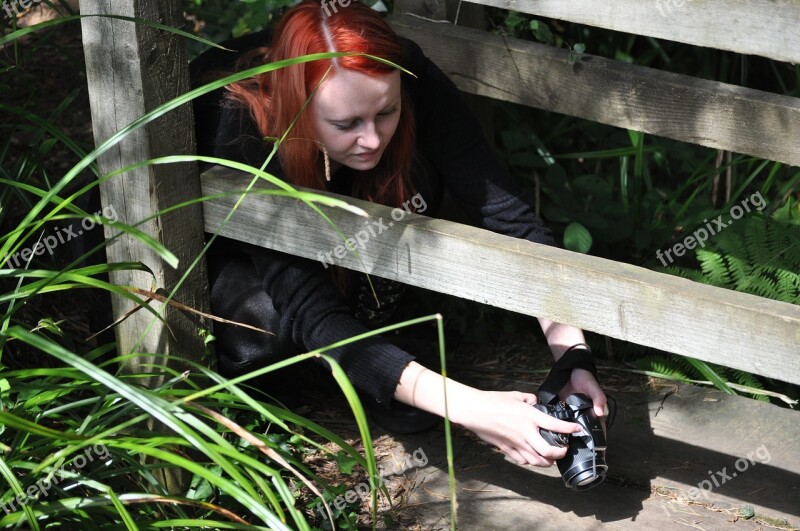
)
(14, 35)
(16, 487)
(706, 370)
(163, 412)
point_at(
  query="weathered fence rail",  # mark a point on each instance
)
(758, 27)
(619, 300)
(711, 114)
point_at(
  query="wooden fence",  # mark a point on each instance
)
(619, 300)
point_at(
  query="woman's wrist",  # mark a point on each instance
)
(425, 389)
(561, 337)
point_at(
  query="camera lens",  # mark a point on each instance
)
(582, 468)
(584, 464)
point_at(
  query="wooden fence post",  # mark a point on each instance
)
(131, 69)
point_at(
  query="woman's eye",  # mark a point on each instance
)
(346, 126)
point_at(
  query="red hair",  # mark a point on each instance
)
(275, 98)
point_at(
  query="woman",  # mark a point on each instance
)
(381, 135)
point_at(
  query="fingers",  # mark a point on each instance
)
(598, 401)
(508, 421)
(546, 422)
(527, 456)
(544, 452)
(533, 447)
(531, 457)
(536, 460)
(584, 382)
(514, 455)
(529, 398)
(600, 407)
(529, 447)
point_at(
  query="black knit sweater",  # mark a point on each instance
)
(457, 158)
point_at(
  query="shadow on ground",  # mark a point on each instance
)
(660, 449)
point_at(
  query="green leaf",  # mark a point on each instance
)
(525, 159)
(513, 20)
(49, 324)
(541, 32)
(345, 462)
(577, 238)
(515, 140)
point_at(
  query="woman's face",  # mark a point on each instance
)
(355, 116)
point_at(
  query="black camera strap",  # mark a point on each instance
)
(576, 357)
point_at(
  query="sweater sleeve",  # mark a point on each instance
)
(302, 290)
(451, 138)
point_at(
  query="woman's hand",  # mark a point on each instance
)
(506, 419)
(560, 337)
(582, 381)
(509, 421)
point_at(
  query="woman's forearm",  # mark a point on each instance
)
(505, 419)
(560, 336)
(424, 389)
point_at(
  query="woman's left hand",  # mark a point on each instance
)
(582, 381)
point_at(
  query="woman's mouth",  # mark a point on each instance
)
(366, 156)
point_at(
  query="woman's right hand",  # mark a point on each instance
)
(508, 420)
(505, 419)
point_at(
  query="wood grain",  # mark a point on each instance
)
(622, 301)
(130, 70)
(685, 108)
(759, 27)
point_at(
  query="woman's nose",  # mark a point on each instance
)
(369, 138)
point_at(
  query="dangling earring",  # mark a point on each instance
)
(327, 160)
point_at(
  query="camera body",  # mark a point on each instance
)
(584, 466)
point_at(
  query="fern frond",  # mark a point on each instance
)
(662, 366)
(759, 284)
(712, 265)
(689, 274)
(755, 255)
(751, 381)
(739, 272)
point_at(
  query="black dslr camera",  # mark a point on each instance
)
(584, 466)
